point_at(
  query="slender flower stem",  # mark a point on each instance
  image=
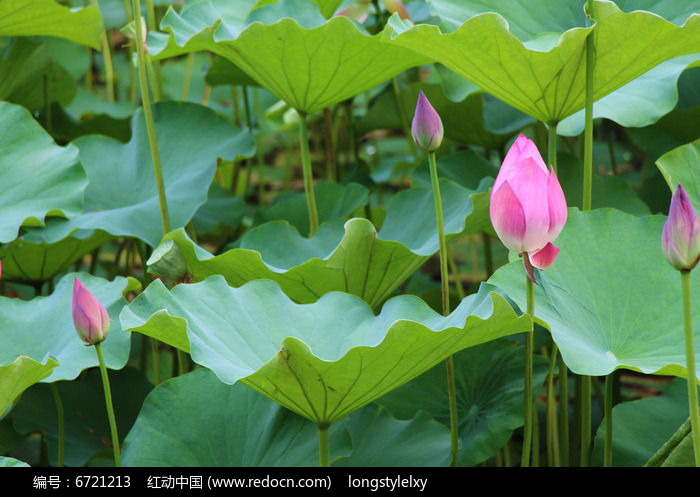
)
(324, 451)
(444, 280)
(552, 145)
(188, 77)
(308, 175)
(151, 23)
(552, 425)
(61, 424)
(564, 413)
(585, 421)
(156, 361)
(148, 114)
(609, 380)
(658, 459)
(529, 348)
(690, 365)
(108, 403)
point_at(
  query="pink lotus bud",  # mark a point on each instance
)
(357, 11)
(427, 126)
(89, 316)
(396, 6)
(680, 239)
(528, 208)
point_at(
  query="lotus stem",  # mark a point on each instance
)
(148, 115)
(609, 381)
(324, 452)
(529, 348)
(444, 281)
(564, 413)
(690, 365)
(308, 175)
(60, 416)
(151, 23)
(552, 145)
(108, 403)
(585, 421)
(188, 77)
(553, 455)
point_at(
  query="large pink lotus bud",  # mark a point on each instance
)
(426, 126)
(528, 208)
(89, 316)
(680, 239)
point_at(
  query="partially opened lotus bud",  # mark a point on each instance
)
(89, 316)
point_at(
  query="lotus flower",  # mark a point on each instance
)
(528, 208)
(89, 316)
(426, 126)
(680, 239)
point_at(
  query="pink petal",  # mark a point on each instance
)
(530, 187)
(507, 217)
(544, 258)
(529, 270)
(557, 206)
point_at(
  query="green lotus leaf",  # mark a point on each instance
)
(256, 335)
(86, 423)
(489, 386)
(40, 178)
(49, 18)
(31, 259)
(610, 300)
(19, 375)
(544, 76)
(353, 258)
(682, 165)
(10, 462)
(195, 420)
(122, 198)
(328, 7)
(308, 63)
(43, 327)
(641, 427)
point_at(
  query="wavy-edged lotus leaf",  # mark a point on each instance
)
(322, 360)
(39, 178)
(610, 300)
(641, 102)
(11, 462)
(19, 375)
(122, 198)
(545, 76)
(31, 259)
(353, 258)
(49, 18)
(489, 386)
(195, 420)
(682, 165)
(641, 427)
(43, 327)
(86, 423)
(310, 66)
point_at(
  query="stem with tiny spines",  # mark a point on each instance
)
(690, 365)
(108, 403)
(529, 348)
(61, 424)
(308, 175)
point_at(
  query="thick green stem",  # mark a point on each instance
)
(148, 114)
(108, 403)
(662, 454)
(529, 348)
(156, 361)
(324, 451)
(552, 146)
(444, 281)
(607, 412)
(308, 175)
(552, 425)
(564, 413)
(690, 365)
(151, 23)
(60, 416)
(188, 77)
(585, 421)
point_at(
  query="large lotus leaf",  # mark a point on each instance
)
(641, 102)
(195, 420)
(9, 462)
(642, 426)
(489, 386)
(355, 259)
(49, 18)
(43, 327)
(462, 122)
(682, 165)
(31, 259)
(610, 300)
(322, 360)
(86, 421)
(29, 75)
(544, 76)
(39, 178)
(19, 375)
(122, 198)
(310, 64)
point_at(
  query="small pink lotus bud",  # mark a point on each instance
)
(357, 11)
(680, 239)
(89, 316)
(528, 208)
(396, 6)
(426, 126)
